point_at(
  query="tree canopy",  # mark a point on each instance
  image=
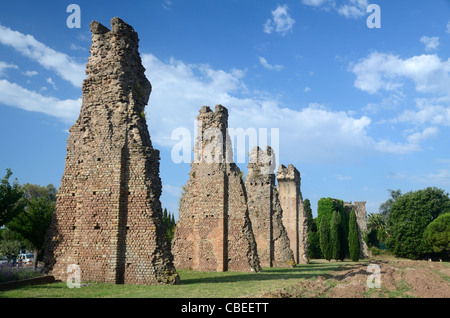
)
(409, 217)
(10, 199)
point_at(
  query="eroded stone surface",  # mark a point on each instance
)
(265, 210)
(294, 215)
(108, 217)
(213, 231)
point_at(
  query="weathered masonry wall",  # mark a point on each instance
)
(361, 220)
(265, 210)
(108, 217)
(213, 231)
(294, 215)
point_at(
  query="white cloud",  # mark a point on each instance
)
(167, 4)
(4, 66)
(380, 71)
(314, 3)
(65, 66)
(448, 27)
(179, 91)
(15, 95)
(50, 81)
(428, 111)
(353, 9)
(431, 43)
(268, 66)
(281, 21)
(307, 89)
(30, 73)
(413, 143)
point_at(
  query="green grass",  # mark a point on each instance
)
(193, 284)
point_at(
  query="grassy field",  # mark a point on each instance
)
(400, 278)
(193, 284)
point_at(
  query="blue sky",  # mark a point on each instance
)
(359, 110)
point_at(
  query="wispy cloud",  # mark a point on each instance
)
(268, 66)
(281, 21)
(4, 66)
(14, 95)
(62, 64)
(352, 9)
(431, 43)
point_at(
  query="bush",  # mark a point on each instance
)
(9, 273)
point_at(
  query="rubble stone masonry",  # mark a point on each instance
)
(294, 215)
(214, 232)
(274, 249)
(108, 217)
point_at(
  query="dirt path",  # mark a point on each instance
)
(397, 279)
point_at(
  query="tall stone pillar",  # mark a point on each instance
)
(108, 217)
(294, 215)
(265, 210)
(214, 232)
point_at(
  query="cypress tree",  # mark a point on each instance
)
(335, 237)
(353, 237)
(325, 245)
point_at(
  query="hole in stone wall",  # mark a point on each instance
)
(99, 159)
(94, 192)
(97, 227)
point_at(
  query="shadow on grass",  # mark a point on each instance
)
(300, 272)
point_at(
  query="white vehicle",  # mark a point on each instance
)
(25, 259)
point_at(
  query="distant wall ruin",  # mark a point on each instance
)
(361, 219)
(108, 217)
(294, 215)
(214, 232)
(265, 210)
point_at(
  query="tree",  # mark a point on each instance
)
(325, 208)
(10, 243)
(385, 207)
(33, 222)
(353, 237)
(409, 217)
(437, 235)
(325, 245)
(169, 222)
(10, 203)
(335, 236)
(376, 227)
(314, 241)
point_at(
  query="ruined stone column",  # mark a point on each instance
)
(294, 215)
(265, 210)
(108, 217)
(214, 232)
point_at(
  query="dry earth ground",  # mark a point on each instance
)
(398, 278)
